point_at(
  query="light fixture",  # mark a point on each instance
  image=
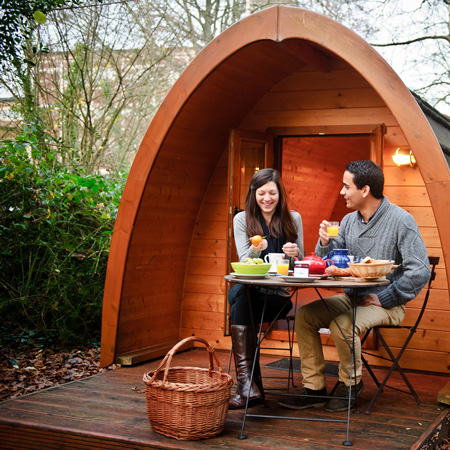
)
(404, 157)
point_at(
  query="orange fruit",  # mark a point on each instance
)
(256, 240)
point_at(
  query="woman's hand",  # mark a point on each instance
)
(324, 236)
(259, 248)
(291, 249)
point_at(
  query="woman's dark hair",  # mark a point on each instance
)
(281, 225)
(367, 173)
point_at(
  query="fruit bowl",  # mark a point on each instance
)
(250, 269)
(377, 269)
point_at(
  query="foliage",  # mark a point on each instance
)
(79, 80)
(19, 18)
(55, 228)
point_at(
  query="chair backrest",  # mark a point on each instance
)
(434, 261)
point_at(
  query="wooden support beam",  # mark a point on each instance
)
(145, 354)
(444, 394)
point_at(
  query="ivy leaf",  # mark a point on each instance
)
(40, 17)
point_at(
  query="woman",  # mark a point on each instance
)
(266, 214)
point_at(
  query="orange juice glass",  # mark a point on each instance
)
(333, 229)
(283, 267)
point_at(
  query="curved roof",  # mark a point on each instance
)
(188, 134)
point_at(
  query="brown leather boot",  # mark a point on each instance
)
(244, 346)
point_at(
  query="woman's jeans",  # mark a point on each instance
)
(240, 309)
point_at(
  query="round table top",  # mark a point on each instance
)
(311, 282)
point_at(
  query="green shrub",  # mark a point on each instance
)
(55, 228)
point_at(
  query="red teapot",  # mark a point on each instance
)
(316, 264)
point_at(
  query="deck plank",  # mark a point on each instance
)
(108, 411)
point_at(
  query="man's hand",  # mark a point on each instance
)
(369, 299)
(323, 234)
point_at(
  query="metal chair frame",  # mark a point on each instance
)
(434, 261)
(290, 319)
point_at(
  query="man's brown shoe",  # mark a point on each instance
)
(339, 402)
(305, 398)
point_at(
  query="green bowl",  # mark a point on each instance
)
(249, 269)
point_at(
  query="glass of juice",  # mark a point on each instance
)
(283, 266)
(333, 229)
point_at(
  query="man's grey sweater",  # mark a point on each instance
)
(391, 233)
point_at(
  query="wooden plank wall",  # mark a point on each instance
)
(405, 187)
(311, 99)
(204, 301)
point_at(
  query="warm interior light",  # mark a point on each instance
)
(406, 158)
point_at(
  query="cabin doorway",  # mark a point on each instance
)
(249, 152)
(312, 169)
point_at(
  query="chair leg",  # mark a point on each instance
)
(230, 358)
(291, 347)
(434, 261)
(369, 369)
(364, 361)
(394, 366)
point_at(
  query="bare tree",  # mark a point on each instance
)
(108, 66)
(414, 37)
(102, 82)
(201, 21)
(98, 84)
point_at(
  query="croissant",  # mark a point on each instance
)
(334, 270)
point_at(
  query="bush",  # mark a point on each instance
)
(55, 228)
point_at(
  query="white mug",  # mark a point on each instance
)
(272, 258)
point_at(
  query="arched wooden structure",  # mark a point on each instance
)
(289, 72)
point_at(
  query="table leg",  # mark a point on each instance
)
(258, 343)
(347, 442)
(260, 337)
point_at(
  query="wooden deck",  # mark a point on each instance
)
(107, 412)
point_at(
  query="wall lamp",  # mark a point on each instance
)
(404, 157)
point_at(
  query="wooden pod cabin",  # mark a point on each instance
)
(284, 88)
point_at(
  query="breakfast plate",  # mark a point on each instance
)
(359, 279)
(249, 276)
(275, 273)
(294, 279)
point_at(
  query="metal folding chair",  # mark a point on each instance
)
(434, 261)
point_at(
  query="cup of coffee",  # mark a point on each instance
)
(273, 258)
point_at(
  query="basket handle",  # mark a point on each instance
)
(168, 358)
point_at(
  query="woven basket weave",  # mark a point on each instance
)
(371, 270)
(187, 403)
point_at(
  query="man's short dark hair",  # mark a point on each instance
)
(367, 173)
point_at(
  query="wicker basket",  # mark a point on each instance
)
(371, 270)
(187, 403)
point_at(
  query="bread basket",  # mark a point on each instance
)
(376, 269)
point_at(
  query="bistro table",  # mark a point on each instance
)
(295, 283)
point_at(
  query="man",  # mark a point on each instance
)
(380, 230)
